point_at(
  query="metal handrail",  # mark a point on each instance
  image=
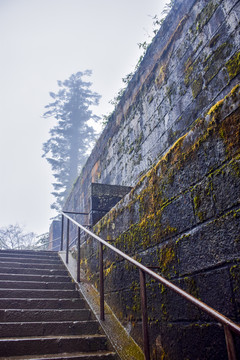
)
(75, 212)
(228, 324)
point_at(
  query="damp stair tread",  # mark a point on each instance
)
(10, 284)
(19, 265)
(81, 322)
(35, 293)
(42, 315)
(49, 253)
(34, 271)
(53, 337)
(52, 344)
(41, 303)
(30, 260)
(34, 315)
(47, 328)
(76, 355)
(35, 278)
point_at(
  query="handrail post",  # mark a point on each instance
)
(67, 246)
(61, 248)
(144, 314)
(230, 344)
(78, 256)
(101, 281)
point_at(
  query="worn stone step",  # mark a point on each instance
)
(42, 316)
(32, 271)
(36, 285)
(12, 315)
(51, 345)
(39, 293)
(37, 278)
(30, 253)
(30, 260)
(24, 329)
(19, 265)
(101, 355)
(76, 303)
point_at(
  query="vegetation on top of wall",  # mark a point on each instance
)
(157, 23)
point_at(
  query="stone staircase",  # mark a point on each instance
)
(42, 315)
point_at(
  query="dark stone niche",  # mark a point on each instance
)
(103, 197)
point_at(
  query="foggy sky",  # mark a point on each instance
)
(43, 41)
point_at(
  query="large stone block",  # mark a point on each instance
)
(194, 341)
(211, 244)
(225, 182)
(235, 279)
(202, 196)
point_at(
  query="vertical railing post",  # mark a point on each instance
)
(144, 314)
(78, 256)
(67, 246)
(230, 344)
(101, 281)
(61, 248)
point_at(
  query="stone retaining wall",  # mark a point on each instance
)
(183, 216)
(174, 138)
(192, 63)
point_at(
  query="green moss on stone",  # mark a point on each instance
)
(197, 86)
(205, 15)
(233, 66)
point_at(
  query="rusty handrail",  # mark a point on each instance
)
(228, 324)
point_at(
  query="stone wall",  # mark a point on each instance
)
(183, 216)
(55, 236)
(189, 66)
(175, 138)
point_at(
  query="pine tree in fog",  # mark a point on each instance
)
(71, 137)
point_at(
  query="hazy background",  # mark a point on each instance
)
(43, 41)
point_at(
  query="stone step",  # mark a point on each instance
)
(31, 260)
(19, 265)
(76, 303)
(12, 315)
(32, 271)
(38, 293)
(24, 329)
(36, 278)
(30, 253)
(37, 285)
(42, 315)
(51, 345)
(101, 355)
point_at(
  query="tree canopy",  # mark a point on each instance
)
(14, 237)
(72, 136)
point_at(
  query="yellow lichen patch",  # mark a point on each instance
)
(197, 87)
(161, 75)
(109, 269)
(166, 258)
(169, 159)
(217, 107)
(233, 66)
(230, 132)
